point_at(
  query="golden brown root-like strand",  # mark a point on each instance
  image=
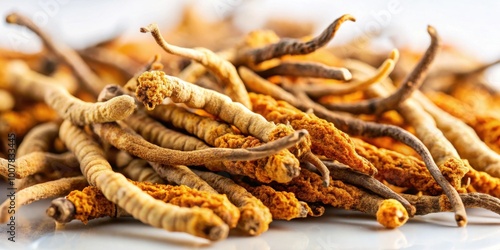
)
(39, 162)
(222, 68)
(182, 175)
(463, 138)
(325, 138)
(319, 165)
(38, 139)
(487, 126)
(482, 182)
(308, 187)
(282, 205)
(115, 187)
(40, 87)
(90, 203)
(307, 69)
(41, 191)
(154, 86)
(413, 81)
(290, 46)
(319, 90)
(344, 173)
(357, 127)
(254, 216)
(134, 168)
(63, 52)
(400, 170)
(434, 204)
(134, 144)
(280, 167)
(156, 133)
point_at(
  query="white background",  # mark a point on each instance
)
(470, 25)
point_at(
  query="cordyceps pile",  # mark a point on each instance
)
(262, 128)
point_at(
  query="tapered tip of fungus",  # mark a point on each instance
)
(431, 30)
(150, 28)
(61, 210)
(215, 233)
(12, 18)
(391, 214)
(122, 107)
(152, 88)
(394, 55)
(346, 17)
(345, 74)
(461, 220)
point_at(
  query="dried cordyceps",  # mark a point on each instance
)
(325, 138)
(463, 138)
(39, 139)
(280, 167)
(358, 127)
(115, 187)
(319, 90)
(487, 126)
(38, 162)
(307, 187)
(132, 143)
(221, 68)
(154, 86)
(254, 216)
(90, 203)
(236, 157)
(254, 56)
(282, 205)
(40, 87)
(41, 191)
(345, 174)
(412, 82)
(307, 69)
(134, 168)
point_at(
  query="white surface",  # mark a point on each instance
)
(337, 229)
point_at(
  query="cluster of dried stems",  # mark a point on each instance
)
(205, 142)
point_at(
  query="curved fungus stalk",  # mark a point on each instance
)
(90, 203)
(281, 167)
(412, 82)
(325, 138)
(319, 90)
(115, 187)
(39, 162)
(154, 86)
(487, 126)
(38, 139)
(222, 68)
(307, 69)
(128, 141)
(308, 187)
(357, 127)
(345, 174)
(42, 88)
(287, 46)
(135, 169)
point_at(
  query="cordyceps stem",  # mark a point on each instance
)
(412, 82)
(357, 127)
(291, 46)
